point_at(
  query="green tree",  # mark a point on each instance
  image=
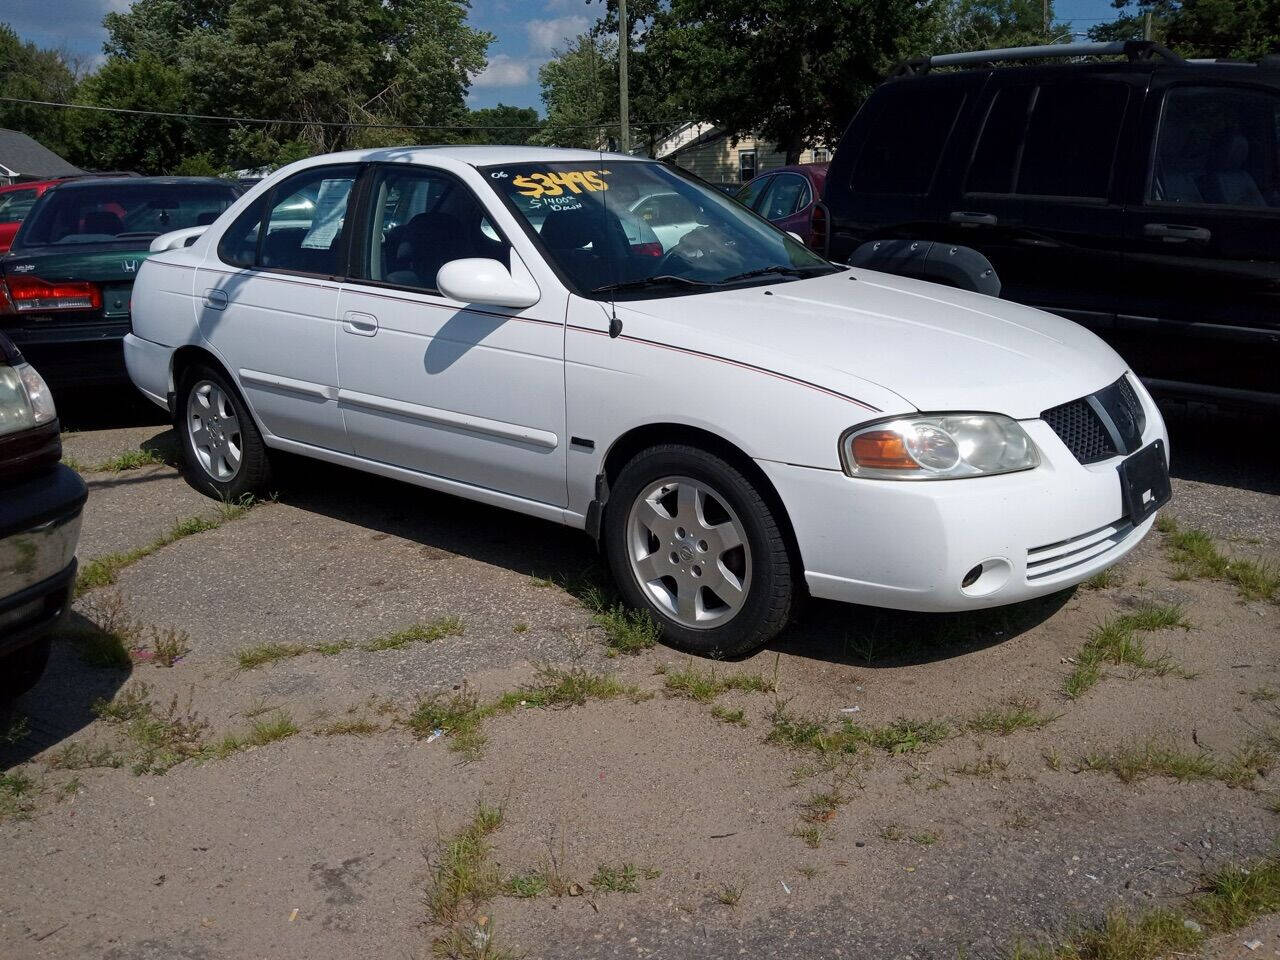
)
(28, 72)
(503, 124)
(1235, 29)
(990, 24)
(580, 89)
(791, 71)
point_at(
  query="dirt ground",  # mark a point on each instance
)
(957, 843)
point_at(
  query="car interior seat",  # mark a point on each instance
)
(1228, 180)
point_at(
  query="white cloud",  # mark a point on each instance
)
(505, 71)
(546, 35)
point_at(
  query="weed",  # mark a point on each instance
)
(349, 727)
(1116, 641)
(616, 879)
(15, 730)
(463, 879)
(988, 767)
(1104, 580)
(109, 636)
(730, 894)
(1263, 694)
(1137, 762)
(520, 627)
(1235, 896)
(808, 872)
(458, 714)
(1010, 716)
(168, 646)
(418, 633)
(1252, 760)
(900, 736)
(926, 838)
(704, 686)
(557, 687)
(332, 648)
(279, 726)
(822, 806)
(79, 756)
(251, 657)
(129, 460)
(1194, 554)
(161, 738)
(735, 718)
(17, 795)
(811, 835)
(1051, 758)
(525, 886)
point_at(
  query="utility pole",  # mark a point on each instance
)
(1146, 29)
(1045, 8)
(624, 104)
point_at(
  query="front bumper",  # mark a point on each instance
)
(39, 531)
(909, 546)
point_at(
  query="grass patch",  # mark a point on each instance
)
(621, 878)
(812, 733)
(626, 631)
(527, 885)
(1116, 641)
(704, 686)
(735, 717)
(1194, 554)
(17, 795)
(730, 895)
(1133, 763)
(103, 571)
(80, 756)
(459, 715)
(1104, 580)
(1009, 717)
(1229, 898)
(418, 633)
(349, 727)
(811, 835)
(463, 879)
(902, 735)
(251, 657)
(278, 726)
(129, 460)
(822, 806)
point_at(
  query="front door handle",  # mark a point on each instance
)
(969, 219)
(1176, 232)
(361, 324)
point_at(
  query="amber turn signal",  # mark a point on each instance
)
(882, 450)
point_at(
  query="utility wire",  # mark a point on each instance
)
(318, 123)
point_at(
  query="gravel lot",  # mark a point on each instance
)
(320, 845)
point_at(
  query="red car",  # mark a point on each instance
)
(787, 197)
(15, 200)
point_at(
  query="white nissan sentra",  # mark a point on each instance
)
(735, 419)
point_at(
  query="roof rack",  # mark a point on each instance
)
(1133, 49)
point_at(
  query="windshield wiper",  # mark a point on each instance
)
(765, 271)
(646, 282)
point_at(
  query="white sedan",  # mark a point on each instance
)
(733, 418)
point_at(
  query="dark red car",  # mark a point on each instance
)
(787, 197)
(15, 200)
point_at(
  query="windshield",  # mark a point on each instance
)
(634, 229)
(121, 211)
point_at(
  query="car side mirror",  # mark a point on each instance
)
(485, 281)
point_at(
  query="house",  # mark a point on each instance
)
(710, 153)
(22, 158)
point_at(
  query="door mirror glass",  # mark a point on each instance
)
(488, 282)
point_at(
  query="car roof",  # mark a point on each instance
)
(472, 155)
(128, 183)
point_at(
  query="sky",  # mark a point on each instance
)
(527, 32)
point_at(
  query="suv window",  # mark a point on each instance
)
(419, 220)
(304, 225)
(1217, 145)
(787, 194)
(904, 147)
(1052, 140)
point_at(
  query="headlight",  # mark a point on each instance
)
(24, 399)
(938, 447)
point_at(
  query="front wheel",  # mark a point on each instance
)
(223, 450)
(690, 539)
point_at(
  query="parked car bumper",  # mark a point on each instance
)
(909, 546)
(39, 531)
(148, 365)
(75, 355)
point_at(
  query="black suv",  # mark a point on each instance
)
(1139, 197)
(41, 501)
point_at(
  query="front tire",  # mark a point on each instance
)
(690, 539)
(221, 446)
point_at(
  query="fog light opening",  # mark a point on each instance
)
(986, 578)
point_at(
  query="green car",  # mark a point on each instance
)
(66, 281)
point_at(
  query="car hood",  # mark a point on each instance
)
(902, 343)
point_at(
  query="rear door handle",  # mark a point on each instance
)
(215, 299)
(361, 324)
(1176, 232)
(970, 219)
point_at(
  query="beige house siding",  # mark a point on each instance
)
(718, 159)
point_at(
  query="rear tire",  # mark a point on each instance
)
(22, 669)
(690, 539)
(221, 446)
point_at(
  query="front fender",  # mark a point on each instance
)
(954, 266)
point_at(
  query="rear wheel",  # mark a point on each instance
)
(690, 538)
(221, 445)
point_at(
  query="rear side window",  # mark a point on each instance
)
(14, 204)
(122, 210)
(750, 193)
(305, 216)
(787, 195)
(904, 146)
(1052, 140)
(1218, 146)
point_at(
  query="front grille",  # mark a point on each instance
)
(1081, 429)
(1101, 425)
(1060, 559)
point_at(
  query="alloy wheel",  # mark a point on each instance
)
(214, 430)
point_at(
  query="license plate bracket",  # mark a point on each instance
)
(1144, 482)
